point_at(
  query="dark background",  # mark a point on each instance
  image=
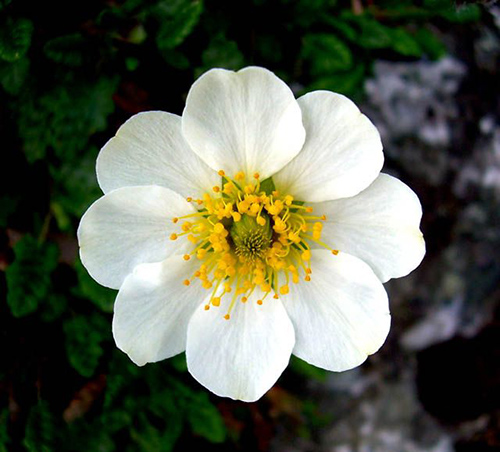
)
(426, 72)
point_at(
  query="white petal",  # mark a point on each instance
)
(127, 227)
(242, 357)
(153, 308)
(243, 121)
(380, 226)
(341, 316)
(149, 149)
(342, 154)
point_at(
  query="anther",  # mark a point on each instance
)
(189, 199)
(227, 316)
(175, 220)
(256, 175)
(187, 282)
(216, 189)
(244, 299)
(335, 252)
(259, 302)
(221, 173)
(309, 209)
(207, 307)
(187, 257)
(173, 236)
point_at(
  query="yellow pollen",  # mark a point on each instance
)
(245, 239)
(207, 307)
(335, 252)
(189, 199)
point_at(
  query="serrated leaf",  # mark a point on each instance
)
(177, 20)
(373, 35)
(404, 43)
(28, 277)
(101, 296)
(432, 46)
(64, 118)
(347, 83)
(149, 438)
(326, 54)
(205, 419)
(13, 75)
(84, 338)
(75, 187)
(463, 14)
(223, 53)
(41, 429)
(68, 50)
(15, 38)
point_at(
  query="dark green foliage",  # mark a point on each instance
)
(326, 53)
(84, 336)
(177, 19)
(15, 38)
(68, 50)
(67, 85)
(13, 75)
(64, 118)
(28, 277)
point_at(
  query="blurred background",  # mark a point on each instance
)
(426, 72)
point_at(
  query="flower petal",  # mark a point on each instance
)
(153, 308)
(149, 149)
(242, 357)
(341, 316)
(127, 227)
(380, 226)
(243, 121)
(342, 154)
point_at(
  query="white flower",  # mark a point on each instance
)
(212, 257)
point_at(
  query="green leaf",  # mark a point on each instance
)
(84, 338)
(177, 20)
(75, 187)
(373, 34)
(404, 43)
(101, 296)
(326, 54)
(267, 186)
(149, 438)
(28, 277)
(223, 53)
(175, 59)
(432, 46)
(342, 27)
(463, 14)
(205, 419)
(15, 38)
(41, 429)
(68, 50)
(349, 82)
(4, 434)
(13, 75)
(53, 307)
(64, 118)
(307, 370)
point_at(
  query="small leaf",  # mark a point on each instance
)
(205, 419)
(177, 20)
(102, 297)
(223, 53)
(28, 277)
(84, 336)
(326, 54)
(68, 50)
(432, 46)
(373, 34)
(15, 38)
(13, 75)
(404, 43)
(41, 429)
(348, 82)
